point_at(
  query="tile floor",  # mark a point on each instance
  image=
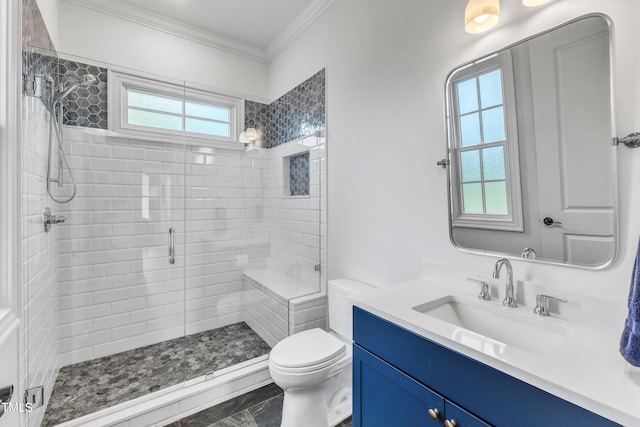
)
(89, 386)
(258, 408)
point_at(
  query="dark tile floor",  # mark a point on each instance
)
(89, 386)
(258, 408)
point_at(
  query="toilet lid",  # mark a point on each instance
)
(307, 348)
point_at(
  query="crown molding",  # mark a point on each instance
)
(159, 22)
(292, 31)
(156, 21)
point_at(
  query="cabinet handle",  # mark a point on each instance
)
(450, 423)
(434, 413)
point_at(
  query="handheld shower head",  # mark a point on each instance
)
(82, 81)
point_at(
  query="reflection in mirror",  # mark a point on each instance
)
(532, 170)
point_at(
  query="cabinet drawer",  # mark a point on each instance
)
(487, 392)
(383, 396)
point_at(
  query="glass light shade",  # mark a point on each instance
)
(243, 137)
(482, 15)
(533, 3)
(251, 134)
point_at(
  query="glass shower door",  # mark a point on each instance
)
(121, 268)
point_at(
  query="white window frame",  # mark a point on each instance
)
(10, 134)
(513, 221)
(119, 85)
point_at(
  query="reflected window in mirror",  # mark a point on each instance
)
(486, 191)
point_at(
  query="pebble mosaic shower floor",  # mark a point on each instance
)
(86, 387)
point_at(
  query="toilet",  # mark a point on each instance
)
(314, 367)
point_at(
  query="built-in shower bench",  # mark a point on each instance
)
(279, 304)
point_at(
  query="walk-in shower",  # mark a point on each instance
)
(115, 321)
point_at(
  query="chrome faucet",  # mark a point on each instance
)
(48, 220)
(509, 299)
(529, 253)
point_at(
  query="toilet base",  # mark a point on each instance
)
(308, 408)
(340, 407)
(326, 406)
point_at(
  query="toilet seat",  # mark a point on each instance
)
(307, 351)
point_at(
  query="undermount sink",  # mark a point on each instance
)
(491, 328)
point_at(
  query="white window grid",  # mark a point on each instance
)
(513, 220)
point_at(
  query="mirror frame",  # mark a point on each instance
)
(613, 158)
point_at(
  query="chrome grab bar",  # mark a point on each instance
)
(172, 246)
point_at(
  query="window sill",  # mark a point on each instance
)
(190, 141)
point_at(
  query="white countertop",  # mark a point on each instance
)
(586, 369)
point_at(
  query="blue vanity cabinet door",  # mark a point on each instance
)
(462, 418)
(490, 394)
(384, 396)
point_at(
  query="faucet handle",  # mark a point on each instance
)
(542, 304)
(484, 289)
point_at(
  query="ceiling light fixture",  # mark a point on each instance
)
(533, 3)
(482, 15)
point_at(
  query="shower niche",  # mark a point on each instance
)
(179, 264)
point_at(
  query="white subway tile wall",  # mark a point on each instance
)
(296, 223)
(39, 258)
(266, 311)
(118, 290)
(307, 312)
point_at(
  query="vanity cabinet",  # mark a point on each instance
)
(399, 376)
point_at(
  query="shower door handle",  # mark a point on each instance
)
(172, 245)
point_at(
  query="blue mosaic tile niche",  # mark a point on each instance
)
(299, 175)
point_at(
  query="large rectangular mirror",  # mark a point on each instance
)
(532, 166)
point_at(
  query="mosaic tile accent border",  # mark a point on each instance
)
(257, 115)
(299, 174)
(299, 112)
(86, 107)
(296, 114)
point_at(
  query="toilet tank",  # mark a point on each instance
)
(340, 305)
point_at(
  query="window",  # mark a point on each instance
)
(149, 108)
(486, 181)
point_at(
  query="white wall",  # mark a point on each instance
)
(386, 67)
(99, 37)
